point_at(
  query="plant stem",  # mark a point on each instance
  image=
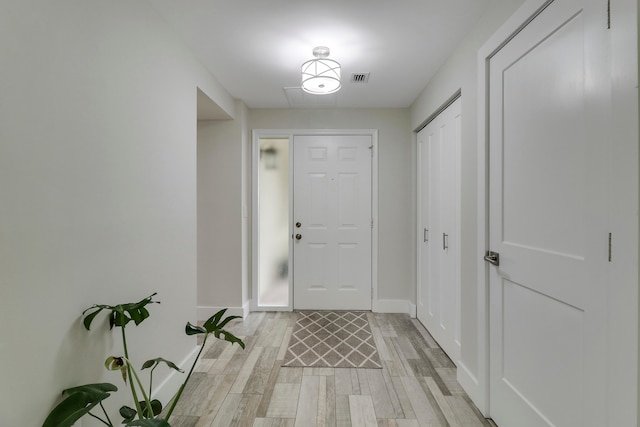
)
(131, 383)
(144, 395)
(100, 419)
(106, 415)
(151, 381)
(179, 393)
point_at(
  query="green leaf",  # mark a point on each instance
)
(137, 311)
(227, 320)
(89, 318)
(228, 336)
(95, 389)
(155, 405)
(79, 401)
(128, 413)
(214, 325)
(121, 314)
(155, 362)
(119, 318)
(216, 322)
(155, 422)
(211, 322)
(194, 330)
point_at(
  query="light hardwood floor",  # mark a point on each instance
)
(234, 387)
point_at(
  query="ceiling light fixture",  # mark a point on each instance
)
(321, 76)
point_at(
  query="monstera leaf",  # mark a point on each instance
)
(155, 362)
(79, 401)
(214, 325)
(121, 314)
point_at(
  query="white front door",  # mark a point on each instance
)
(332, 222)
(438, 305)
(547, 221)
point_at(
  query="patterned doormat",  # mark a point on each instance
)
(331, 339)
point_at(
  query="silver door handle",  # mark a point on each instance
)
(445, 241)
(425, 235)
(492, 258)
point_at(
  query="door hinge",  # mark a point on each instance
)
(610, 238)
(608, 14)
(371, 148)
(372, 223)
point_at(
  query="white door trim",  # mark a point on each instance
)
(257, 134)
(477, 386)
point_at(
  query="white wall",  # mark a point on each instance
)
(396, 256)
(459, 72)
(97, 191)
(222, 258)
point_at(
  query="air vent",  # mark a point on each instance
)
(359, 77)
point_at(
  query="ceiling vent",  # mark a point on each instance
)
(359, 77)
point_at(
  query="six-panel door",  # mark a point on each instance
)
(332, 204)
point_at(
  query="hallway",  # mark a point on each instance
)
(416, 387)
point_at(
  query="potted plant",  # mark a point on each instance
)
(82, 400)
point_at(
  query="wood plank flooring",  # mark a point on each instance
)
(248, 388)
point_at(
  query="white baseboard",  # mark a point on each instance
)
(204, 312)
(472, 387)
(394, 306)
(377, 306)
(169, 387)
(246, 308)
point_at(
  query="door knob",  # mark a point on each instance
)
(492, 258)
(298, 224)
(298, 236)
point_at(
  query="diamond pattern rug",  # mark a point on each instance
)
(332, 339)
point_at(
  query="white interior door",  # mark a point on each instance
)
(438, 305)
(547, 221)
(332, 222)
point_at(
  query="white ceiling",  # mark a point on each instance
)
(255, 47)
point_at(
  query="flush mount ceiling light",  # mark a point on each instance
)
(321, 76)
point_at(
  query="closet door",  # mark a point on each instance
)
(548, 220)
(438, 235)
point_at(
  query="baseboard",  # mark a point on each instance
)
(169, 387)
(472, 387)
(394, 306)
(246, 308)
(379, 306)
(204, 312)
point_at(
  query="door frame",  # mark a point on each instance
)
(258, 134)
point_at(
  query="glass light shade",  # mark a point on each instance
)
(321, 76)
